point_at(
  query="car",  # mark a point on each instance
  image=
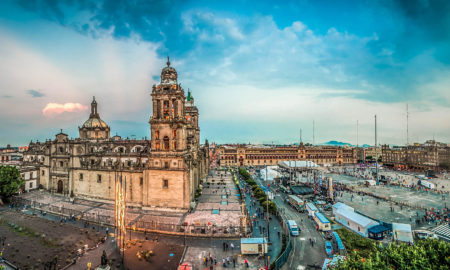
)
(329, 249)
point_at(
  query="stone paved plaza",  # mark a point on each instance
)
(219, 203)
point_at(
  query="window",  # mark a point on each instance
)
(61, 150)
(157, 134)
(157, 145)
(166, 165)
(99, 178)
(43, 173)
(81, 177)
(141, 181)
(61, 164)
(359, 229)
(174, 145)
(174, 133)
(165, 183)
(31, 184)
(166, 143)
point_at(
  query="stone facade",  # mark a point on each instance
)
(162, 172)
(250, 155)
(430, 155)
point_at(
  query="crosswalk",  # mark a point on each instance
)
(443, 231)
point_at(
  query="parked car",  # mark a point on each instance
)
(329, 249)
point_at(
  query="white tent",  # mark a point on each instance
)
(402, 232)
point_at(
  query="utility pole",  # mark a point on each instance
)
(357, 133)
(407, 125)
(314, 139)
(376, 151)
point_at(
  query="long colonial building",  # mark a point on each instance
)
(257, 155)
(162, 172)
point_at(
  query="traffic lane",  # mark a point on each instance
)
(303, 254)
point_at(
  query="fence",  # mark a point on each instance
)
(139, 225)
(283, 257)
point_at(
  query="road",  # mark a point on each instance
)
(303, 255)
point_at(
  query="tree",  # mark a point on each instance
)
(10, 181)
(425, 254)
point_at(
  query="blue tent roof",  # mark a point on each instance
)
(338, 241)
(321, 217)
(253, 240)
(378, 229)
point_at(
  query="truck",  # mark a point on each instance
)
(297, 203)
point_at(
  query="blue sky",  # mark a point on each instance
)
(259, 70)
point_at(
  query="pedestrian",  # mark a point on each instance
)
(232, 246)
(204, 260)
(228, 260)
(226, 246)
(211, 260)
(223, 262)
(234, 262)
(246, 263)
(223, 246)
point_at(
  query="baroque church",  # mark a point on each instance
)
(160, 173)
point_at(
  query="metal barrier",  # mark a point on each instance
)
(106, 220)
(283, 257)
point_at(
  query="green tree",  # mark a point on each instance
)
(425, 254)
(10, 181)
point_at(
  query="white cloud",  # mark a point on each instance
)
(56, 108)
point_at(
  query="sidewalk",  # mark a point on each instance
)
(260, 223)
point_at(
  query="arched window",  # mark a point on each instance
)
(157, 134)
(174, 133)
(166, 143)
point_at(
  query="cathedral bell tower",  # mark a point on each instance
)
(167, 124)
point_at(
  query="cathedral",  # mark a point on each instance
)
(160, 173)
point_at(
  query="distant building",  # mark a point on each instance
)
(371, 153)
(260, 155)
(11, 155)
(430, 155)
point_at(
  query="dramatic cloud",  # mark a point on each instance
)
(258, 70)
(56, 108)
(35, 93)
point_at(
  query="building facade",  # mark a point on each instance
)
(430, 155)
(161, 173)
(251, 155)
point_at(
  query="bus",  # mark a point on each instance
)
(293, 228)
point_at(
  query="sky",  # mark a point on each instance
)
(260, 71)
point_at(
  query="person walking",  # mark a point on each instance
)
(234, 262)
(246, 263)
(232, 246)
(223, 263)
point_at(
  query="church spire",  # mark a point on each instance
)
(168, 61)
(94, 108)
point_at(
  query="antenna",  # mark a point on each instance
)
(407, 125)
(357, 133)
(376, 150)
(314, 139)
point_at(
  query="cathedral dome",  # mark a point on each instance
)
(169, 74)
(94, 123)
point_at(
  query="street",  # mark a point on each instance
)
(303, 255)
